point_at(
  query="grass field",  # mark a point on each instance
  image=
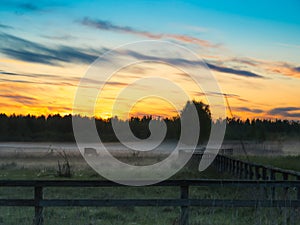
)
(22, 168)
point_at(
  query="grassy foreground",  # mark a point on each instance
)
(134, 215)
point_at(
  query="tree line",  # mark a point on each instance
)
(59, 128)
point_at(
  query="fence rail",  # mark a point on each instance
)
(250, 170)
(184, 201)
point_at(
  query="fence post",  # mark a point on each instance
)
(264, 173)
(246, 170)
(233, 167)
(272, 177)
(257, 174)
(184, 194)
(285, 177)
(38, 196)
(298, 189)
(251, 172)
(236, 168)
(241, 169)
(226, 164)
(222, 164)
(216, 162)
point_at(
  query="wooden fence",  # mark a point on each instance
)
(184, 201)
(253, 171)
(250, 170)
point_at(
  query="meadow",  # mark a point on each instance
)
(41, 167)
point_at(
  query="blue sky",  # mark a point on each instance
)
(235, 38)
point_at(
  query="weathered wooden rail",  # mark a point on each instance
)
(250, 170)
(184, 201)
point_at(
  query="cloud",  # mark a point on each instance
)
(244, 73)
(282, 68)
(105, 25)
(108, 26)
(270, 67)
(58, 83)
(59, 37)
(212, 93)
(5, 26)
(180, 61)
(8, 73)
(246, 61)
(29, 56)
(16, 81)
(25, 50)
(29, 7)
(52, 79)
(286, 111)
(246, 109)
(59, 108)
(37, 6)
(47, 79)
(33, 75)
(20, 98)
(21, 49)
(297, 69)
(228, 95)
(189, 39)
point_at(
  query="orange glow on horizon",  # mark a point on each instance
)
(47, 90)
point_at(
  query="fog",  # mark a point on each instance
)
(251, 147)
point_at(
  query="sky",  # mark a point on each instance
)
(252, 48)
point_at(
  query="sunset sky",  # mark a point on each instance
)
(251, 47)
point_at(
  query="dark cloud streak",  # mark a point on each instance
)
(20, 98)
(29, 7)
(179, 61)
(246, 109)
(5, 26)
(286, 111)
(25, 50)
(297, 69)
(62, 37)
(108, 26)
(234, 71)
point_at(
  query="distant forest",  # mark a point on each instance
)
(59, 128)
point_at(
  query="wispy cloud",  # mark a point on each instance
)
(228, 95)
(31, 75)
(286, 111)
(108, 26)
(297, 69)
(244, 73)
(59, 108)
(59, 37)
(25, 50)
(21, 8)
(247, 109)
(5, 26)
(270, 67)
(180, 61)
(282, 68)
(53, 79)
(26, 100)
(29, 7)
